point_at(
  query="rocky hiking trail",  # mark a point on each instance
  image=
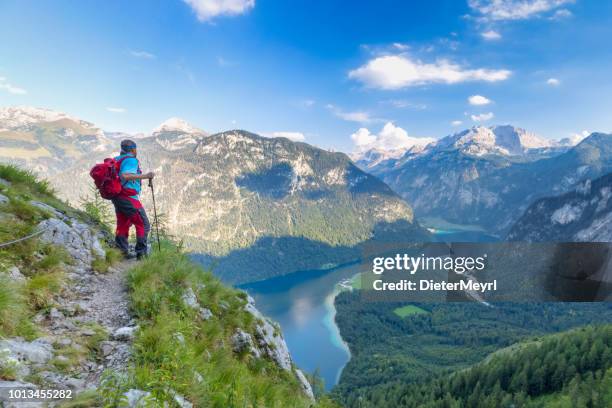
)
(87, 330)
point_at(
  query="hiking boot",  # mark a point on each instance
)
(129, 255)
(140, 257)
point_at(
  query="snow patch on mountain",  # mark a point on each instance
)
(18, 117)
(177, 125)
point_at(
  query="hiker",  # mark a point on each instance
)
(128, 208)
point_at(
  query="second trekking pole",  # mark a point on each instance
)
(155, 214)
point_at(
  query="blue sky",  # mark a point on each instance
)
(322, 69)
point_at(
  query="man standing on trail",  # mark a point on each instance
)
(128, 208)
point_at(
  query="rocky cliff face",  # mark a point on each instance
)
(584, 214)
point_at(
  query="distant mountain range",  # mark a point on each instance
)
(489, 176)
(255, 206)
(584, 214)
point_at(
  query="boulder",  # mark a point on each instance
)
(243, 341)
(38, 351)
(49, 209)
(125, 333)
(15, 274)
(3, 199)
(77, 238)
(137, 398)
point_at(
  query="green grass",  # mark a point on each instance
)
(163, 362)
(111, 257)
(408, 310)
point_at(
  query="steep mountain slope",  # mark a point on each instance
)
(162, 330)
(584, 214)
(255, 207)
(46, 141)
(473, 177)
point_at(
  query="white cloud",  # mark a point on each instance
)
(295, 136)
(115, 109)
(356, 116)
(553, 82)
(514, 9)
(400, 71)
(142, 54)
(390, 138)
(400, 46)
(483, 117)
(10, 88)
(478, 100)
(561, 14)
(456, 123)
(490, 35)
(403, 104)
(206, 10)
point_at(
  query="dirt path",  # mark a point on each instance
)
(93, 310)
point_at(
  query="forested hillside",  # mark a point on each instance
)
(393, 345)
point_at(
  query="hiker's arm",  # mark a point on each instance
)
(133, 176)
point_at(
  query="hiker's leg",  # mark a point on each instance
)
(141, 239)
(122, 232)
(125, 210)
(146, 225)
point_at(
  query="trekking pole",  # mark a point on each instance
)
(155, 214)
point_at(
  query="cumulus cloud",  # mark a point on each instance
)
(456, 123)
(490, 35)
(482, 117)
(355, 116)
(206, 10)
(498, 10)
(401, 71)
(553, 82)
(478, 100)
(295, 136)
(10, 88)
(390, 138)
(142, 54)
(115, 109)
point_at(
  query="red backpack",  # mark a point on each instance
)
(106, 178)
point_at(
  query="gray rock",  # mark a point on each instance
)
(137, 398)
(125, 333)
(306, 387)
(182, 402)
(179, 338)
(49, 209)
(190, 299)
(15, 274)
(205, 313)
(38, 351)
(88, 332)
(107, 348)
(55, 314)
(64, 342)
(243, 341)
(75, 384)
(268, 338)
(9, 361)
(5, 182)
(3, 199)
(76, 238)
